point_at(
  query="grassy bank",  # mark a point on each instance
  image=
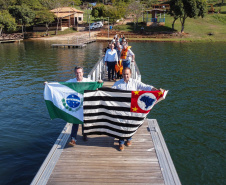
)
(210, 28)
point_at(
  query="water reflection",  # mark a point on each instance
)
(191, 119)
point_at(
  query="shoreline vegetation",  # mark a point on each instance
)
(210, 28)
(198, 30)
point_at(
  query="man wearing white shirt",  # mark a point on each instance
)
(79, 78)
(129, 84)
(111, 58)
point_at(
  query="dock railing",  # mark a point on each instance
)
(99, 70)
(135, 71)
(157, 20)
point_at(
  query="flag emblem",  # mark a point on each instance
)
(73, 102)
(65, 99)
(146, 101)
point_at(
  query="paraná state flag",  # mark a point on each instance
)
(65, 99)
(117, 113)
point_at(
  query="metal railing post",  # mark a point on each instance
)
(97, 74)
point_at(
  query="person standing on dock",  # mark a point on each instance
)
(118, 49)
(130, 84)
(111, 58)
(79, 78)
(127, 56)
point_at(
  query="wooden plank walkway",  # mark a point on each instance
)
(98, 161)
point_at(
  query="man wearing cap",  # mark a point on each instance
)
(127, 55)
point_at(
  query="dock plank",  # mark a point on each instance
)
(99, 161)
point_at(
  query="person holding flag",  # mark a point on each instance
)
(130, 84)
(65, 100)
(79, 78)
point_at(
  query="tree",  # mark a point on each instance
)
(111, 12)
(121, 7)
(32, 4)
(4, 4)
(183, 9)
(52, 4)
(135, 8)
(175, 11)
(7, 22)
(98, 10)
(46, 17)
(23, 14)
(95, 13)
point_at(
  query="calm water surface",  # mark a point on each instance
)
(192, 118)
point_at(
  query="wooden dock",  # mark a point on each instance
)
(69, 45)
(98, 160)
(79, 44)
(10, 41)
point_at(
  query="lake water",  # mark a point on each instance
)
(192, 118)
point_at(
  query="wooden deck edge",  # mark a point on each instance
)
(10, 40)
(166, 164)
(48, 165)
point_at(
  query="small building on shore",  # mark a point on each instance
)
(157, 15)
(67, 17)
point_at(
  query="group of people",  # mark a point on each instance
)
(118, 53)
(126, 83)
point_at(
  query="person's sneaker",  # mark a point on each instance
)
(85, 138)
(121, 147)
(72, 143)
(129, 143)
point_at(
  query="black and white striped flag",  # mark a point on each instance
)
(117, 113)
